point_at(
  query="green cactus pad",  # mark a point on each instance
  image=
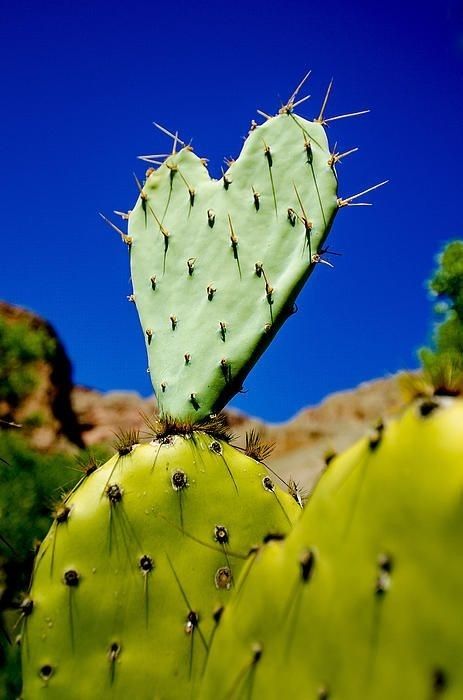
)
(132, 577)
(217, 264)
(364, 598)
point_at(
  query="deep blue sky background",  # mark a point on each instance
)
(82, 83)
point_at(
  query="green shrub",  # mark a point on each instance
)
(20, 348)
(447, 286)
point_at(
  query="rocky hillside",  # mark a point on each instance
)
(301, 444)
(36, 380)
(64, 415)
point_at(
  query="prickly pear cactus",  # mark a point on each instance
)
(132, 578)
(216, 264)
(130, 583)
(364, 598)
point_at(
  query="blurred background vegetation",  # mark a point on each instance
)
(446, 353)
(20, 348)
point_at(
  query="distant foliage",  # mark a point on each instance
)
(20, 348)
(447, 286)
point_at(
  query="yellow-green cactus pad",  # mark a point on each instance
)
(364, 598)
(131, 580)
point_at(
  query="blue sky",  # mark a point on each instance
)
(82, 84)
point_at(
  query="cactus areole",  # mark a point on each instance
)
(217, 264)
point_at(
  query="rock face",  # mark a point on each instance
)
(47, 414)
(101, 416)
(303, 443)
(77, 416)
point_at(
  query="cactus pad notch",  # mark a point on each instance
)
(217, 264)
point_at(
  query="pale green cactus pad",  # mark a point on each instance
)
(132, 578)
(364, 598)
(217, 264)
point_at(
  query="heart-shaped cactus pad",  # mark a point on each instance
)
(217, 264)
